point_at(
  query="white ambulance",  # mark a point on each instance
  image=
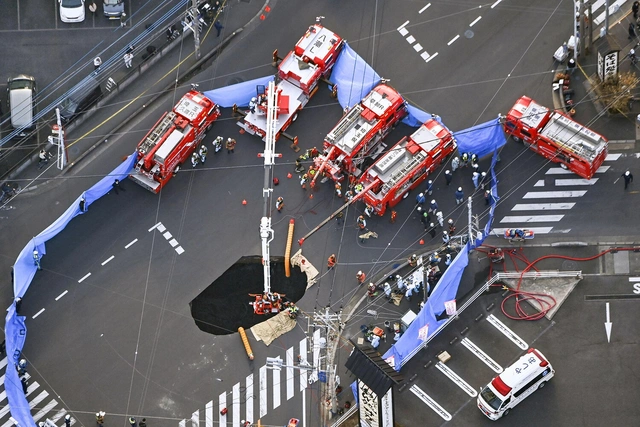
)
(526, 375)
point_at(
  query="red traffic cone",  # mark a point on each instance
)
(244, 202)
(289, 175)
(422, 241)
(311, 196)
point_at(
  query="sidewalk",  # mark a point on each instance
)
(139, 87)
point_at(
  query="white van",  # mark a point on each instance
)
(529, 373)
(21, 91)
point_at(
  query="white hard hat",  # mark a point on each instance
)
(632, 52)
(67, 417)
(398, 277)
(627, 173)
(228, 139)
(359, 272)
(435, 254)
(447, 171)
(450, 221)
(421, 194)
(445, 232)
(459, 188)
(433, 201)
(430, 182)
(419, 208)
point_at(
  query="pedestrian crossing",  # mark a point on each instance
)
(42, 405)
(259, 393)
(551, 198)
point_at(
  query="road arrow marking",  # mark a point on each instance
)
(608, 324)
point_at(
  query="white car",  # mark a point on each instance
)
(71, 10)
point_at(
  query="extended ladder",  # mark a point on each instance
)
(157, 133)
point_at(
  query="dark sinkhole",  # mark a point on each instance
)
(224, 305)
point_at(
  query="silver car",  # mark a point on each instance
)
(113, 8)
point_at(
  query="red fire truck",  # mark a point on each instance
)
(173, 139)
(298, 75)
(359, 133)
(406, 165)
(556, 137)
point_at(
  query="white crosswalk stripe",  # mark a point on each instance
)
(542, 206)
(516, 219)
(252, 398)
(537, 230)
(554, 194)
(572, 182)
(562, 171)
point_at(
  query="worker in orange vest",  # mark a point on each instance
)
(279, 203)
(361, 277)
(394, 214)
(331, 262)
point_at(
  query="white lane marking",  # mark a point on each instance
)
(3, 363)
(403, 25)
(173, 243)
(475, 21)
(84, 277)
(481, 355)
(430, 402)
(208, 414)
(453, 40)
(131, 243)
(167, 235)
(161, 228)
(182, 423)
(510, 219)
(571, 182)
(507, 332)
(403, 31)
(42, 412)
(495, 4)
(536, 230)
(554, 194)
(561, 171)
(275, 376)
(634, 279)
(263, 390)
(540, 183)
(39, 398)
(424, 8)
(612, 157)
(195, 418)
(38, 313)
(457, 380)
(417, 47)
(542, 206)
(303, 372)
(154, 227)
(425, 55)
(249, 397)
(222, 403)
(563, 231)
(179, 250)
(411, 39)
(431, 57)
(106, 261)
(61, 295)
(316, 356)
(290, 384)
(236, 404)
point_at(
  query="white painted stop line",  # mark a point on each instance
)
(542, 206)
(531, 218)
(571, 182)
(554, 194)
(562, 171)
(536, 230)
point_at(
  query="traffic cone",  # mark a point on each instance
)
(244, 202)
(422, 241)
(262, 17)
(311, 196)
(289, 175)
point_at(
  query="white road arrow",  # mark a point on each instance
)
(608, 324)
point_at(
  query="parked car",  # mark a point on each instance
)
(71, 10)
(113, 8)
(21, 91)
(80, 100)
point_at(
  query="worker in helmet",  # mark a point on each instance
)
(429, 189)
(253, 104)
(217, 144)
(338, 190)
(371, 290)
(194, 159)
(67, 420)
(231, 145)
(455, 163)
(203, 153)
(433, 206)
(303, 181)
(331, 261)
(628, 179)
(459, 196)
(368, 210)
(413, 260)
(358, 188)
(445, 237)
(100, 418)
(464, 160)
(279, 204)
(360, 276)
(132, 422)
(452, 228)
(362, 223)
(435, 258)
(349, 195)
(299, 168)
(402, 285)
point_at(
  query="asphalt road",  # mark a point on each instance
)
(123, 341)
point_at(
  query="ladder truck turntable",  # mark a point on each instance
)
(406, 165)
(172, 140)
(556, 137)
(359, 133)
(298, 76)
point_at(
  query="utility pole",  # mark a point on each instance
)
(57, 139)
(195, 26)
(332, 323)
(472, 231)
(583, 30)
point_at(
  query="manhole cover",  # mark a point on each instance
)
(468, 34)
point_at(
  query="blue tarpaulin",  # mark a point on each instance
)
(23, 271)
(239, 93)
(354, 77)
(416, 116)
(482, 139)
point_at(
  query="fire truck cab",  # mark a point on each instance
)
(173, 139)
(406, 165)
(298, 75)
(360, 132)
(556, 137)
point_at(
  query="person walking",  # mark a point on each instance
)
(123, 20)
(43, 158)
(279, 204)
(433, 207)
(634, 9)
(448, 176)
(628, 179)
(67, 420)
(420, 200)
(132, 422)
(424, 218)
(455, 163)
(331, 261)
(475, 178)
(231, 145)
(459, 196)
(218, 26)
(393, 217)
(440, 218)
(128, 60)
(429, 189)
(97, 62)
(452, 228)
(432, 230)
(203, 153)
(116, 186)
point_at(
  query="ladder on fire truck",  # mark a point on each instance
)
(268, 302)
(352, 117)
(398, 175)
(157, 133)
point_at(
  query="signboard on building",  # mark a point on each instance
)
(368, 402)
(387, 409)
(611, 65)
